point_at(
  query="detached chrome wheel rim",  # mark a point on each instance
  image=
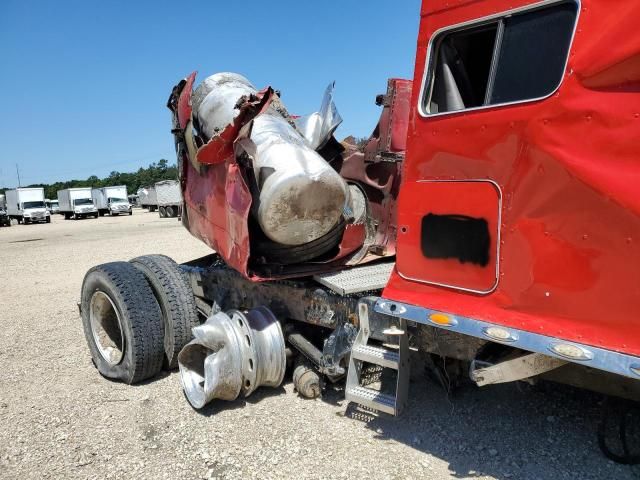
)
(106, 328)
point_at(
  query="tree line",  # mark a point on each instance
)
(133, 180)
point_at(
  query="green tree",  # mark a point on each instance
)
(155, 172)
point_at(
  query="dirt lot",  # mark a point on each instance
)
(60, 419)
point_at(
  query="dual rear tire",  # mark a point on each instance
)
(175, 298)
(169, 211)
(137, 316)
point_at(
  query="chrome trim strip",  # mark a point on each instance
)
(602, 359)
(498, 242)
(477, 22)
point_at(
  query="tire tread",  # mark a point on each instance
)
(176, 300)
(140, 311)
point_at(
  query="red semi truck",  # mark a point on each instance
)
(491, 219)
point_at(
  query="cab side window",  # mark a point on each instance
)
(518, 57)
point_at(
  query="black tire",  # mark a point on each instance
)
(130, 212)
(140, 324)
(101, 213)
(48, 220)
(162, 211)
(287, 255)
(176, 300)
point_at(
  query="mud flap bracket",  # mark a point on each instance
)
(520, 368)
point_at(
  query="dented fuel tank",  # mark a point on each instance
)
(299, 197)
(275, 194)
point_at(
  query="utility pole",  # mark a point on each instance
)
(18, 172)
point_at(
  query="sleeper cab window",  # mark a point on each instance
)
(516, 57)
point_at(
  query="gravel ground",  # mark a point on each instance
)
(60, 419)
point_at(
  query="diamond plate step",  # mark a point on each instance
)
(372, 399)
(357, 279)
(376, 355)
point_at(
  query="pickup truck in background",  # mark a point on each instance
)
(27, 205)
(76, 203)
(52, 205)
(112, 200)
(134, 200)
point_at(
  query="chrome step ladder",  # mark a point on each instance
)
(396, 359)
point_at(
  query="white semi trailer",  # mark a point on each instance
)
(76, 203)
(112, 200)
(27, 205)
(148, 198)
(169, 198)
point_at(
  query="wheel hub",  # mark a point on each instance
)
(106, 328)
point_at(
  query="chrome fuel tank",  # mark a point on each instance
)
(299, 197)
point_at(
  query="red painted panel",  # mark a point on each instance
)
(568, 168)
(480, 200)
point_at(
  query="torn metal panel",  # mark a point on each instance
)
(320, 126)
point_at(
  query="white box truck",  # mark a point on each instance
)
(169, 198)
(148, 198)
(76, 203)
(27, 205)
(111, 200)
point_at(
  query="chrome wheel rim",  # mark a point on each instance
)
(106, 328)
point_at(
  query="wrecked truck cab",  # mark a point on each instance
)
(514, 244)
(278, 196)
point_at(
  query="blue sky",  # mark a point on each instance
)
(84, 83)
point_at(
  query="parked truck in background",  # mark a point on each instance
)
(27, 205)
(148, 198)
(4, 217)
(112, 200)
(134, 200)
(169, 198)
(52, 205)
(76, 203)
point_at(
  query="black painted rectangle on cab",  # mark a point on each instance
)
(533, 53)
(460, 237)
